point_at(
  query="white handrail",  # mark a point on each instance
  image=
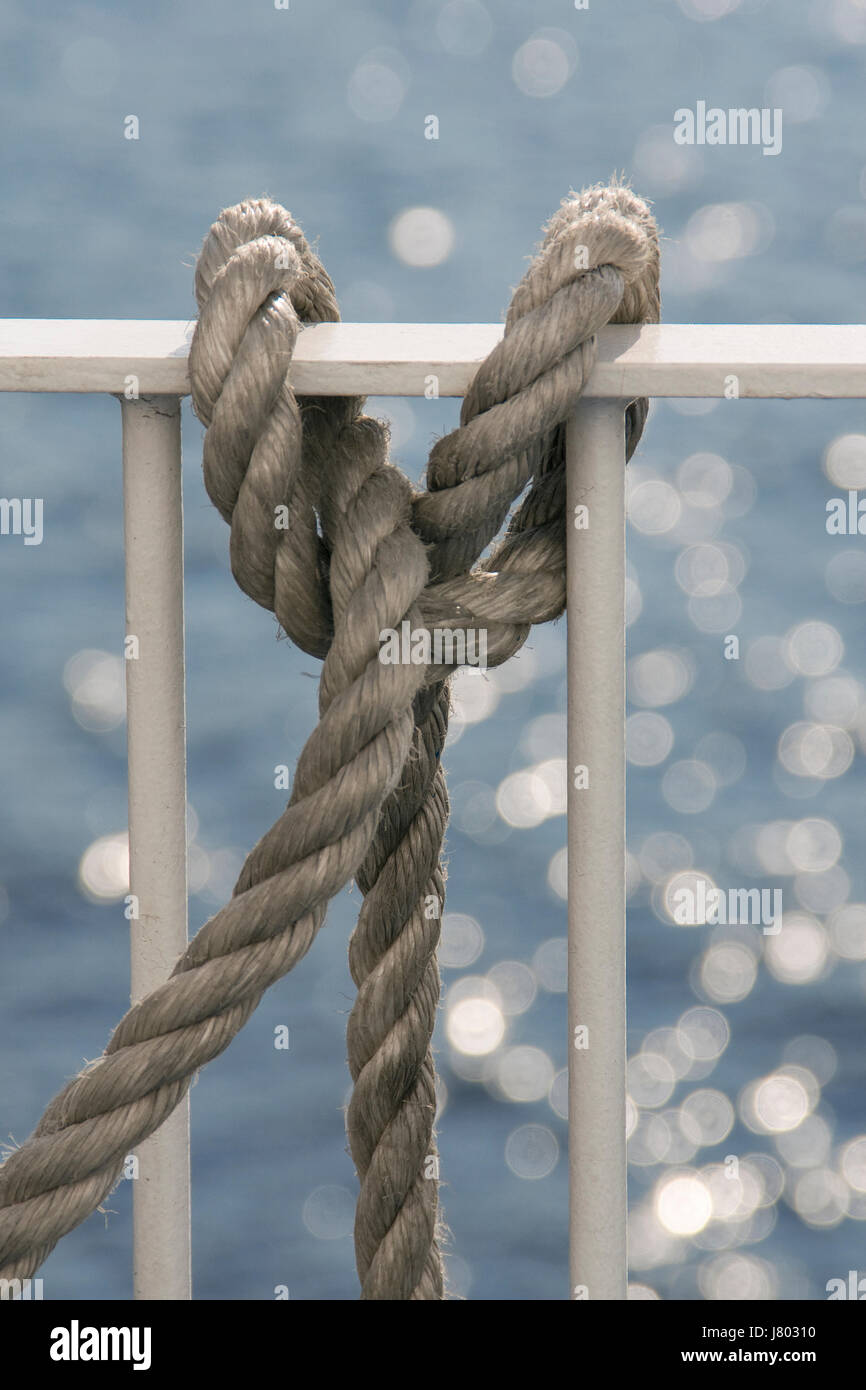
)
(409, 359)
(144, 359)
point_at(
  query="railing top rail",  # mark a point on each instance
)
(400, 359)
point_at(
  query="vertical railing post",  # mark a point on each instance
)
(595, 452)
(156, 733)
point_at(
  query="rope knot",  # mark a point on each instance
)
(328, 534)
(255, 276)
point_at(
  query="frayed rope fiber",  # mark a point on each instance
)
(357, 551)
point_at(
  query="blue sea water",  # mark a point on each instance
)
(323, 106)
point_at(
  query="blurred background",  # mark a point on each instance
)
(746, 772)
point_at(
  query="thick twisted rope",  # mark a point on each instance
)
(392, 956)
(355, 553)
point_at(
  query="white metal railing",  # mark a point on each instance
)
(144, 363)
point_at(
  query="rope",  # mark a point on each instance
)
(355, 552)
